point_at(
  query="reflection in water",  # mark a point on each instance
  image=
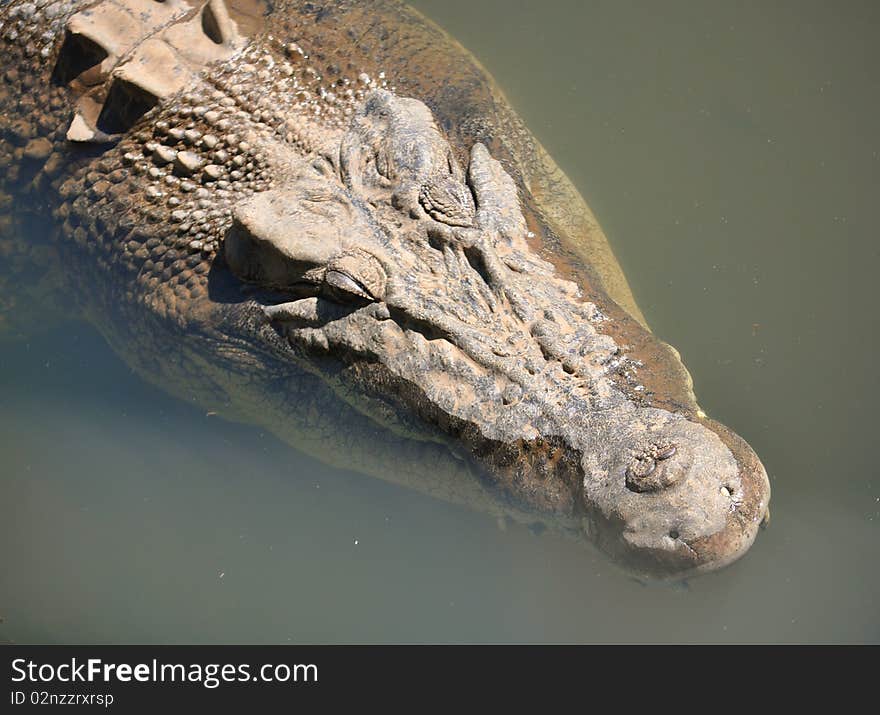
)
(730, 156)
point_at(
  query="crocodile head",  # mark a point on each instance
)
(369, 261)
(413, 272)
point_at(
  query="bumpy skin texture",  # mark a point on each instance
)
(323, 217)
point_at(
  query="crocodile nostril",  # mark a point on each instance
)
(642, 468)
(665, 452)
(649, 469)
(639, 475)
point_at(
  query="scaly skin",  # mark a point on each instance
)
(326, 220)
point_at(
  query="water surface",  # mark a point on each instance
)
(731, 155)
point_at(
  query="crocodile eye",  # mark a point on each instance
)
(343, 284)
(355, 273)
(448, 201)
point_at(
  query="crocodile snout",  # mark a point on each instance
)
(690, 499)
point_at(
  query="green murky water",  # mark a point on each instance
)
(731, 154)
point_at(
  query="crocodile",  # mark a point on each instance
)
(325, 218)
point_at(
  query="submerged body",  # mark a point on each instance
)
(325, 219)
